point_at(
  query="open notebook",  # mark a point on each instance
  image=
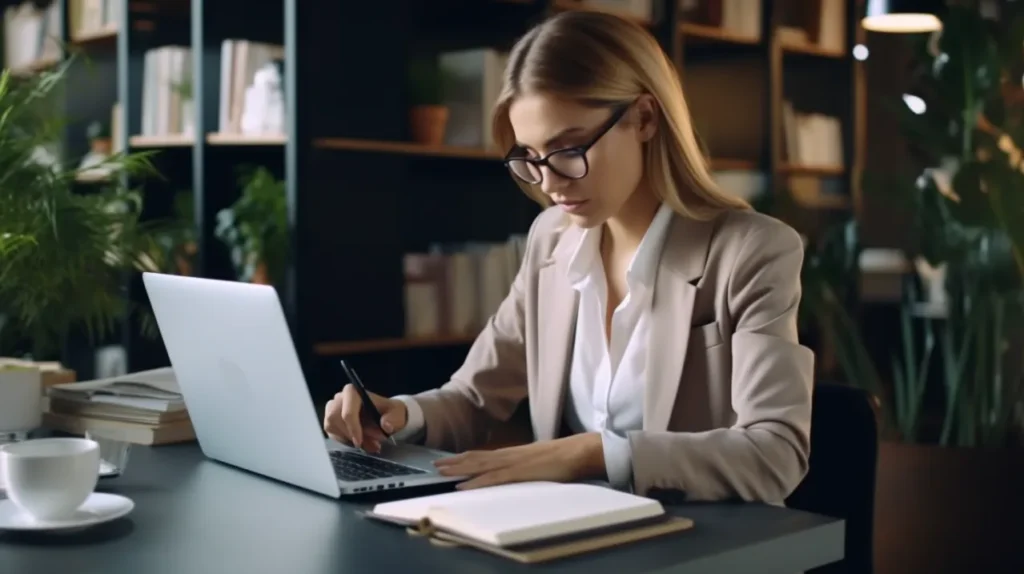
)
(533, 521)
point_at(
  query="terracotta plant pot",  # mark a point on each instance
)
(427, 124)
(184, 260)
(948, 509)
(101, 146)
(260, 275)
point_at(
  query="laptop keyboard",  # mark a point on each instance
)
(353, 466)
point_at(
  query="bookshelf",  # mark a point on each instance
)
(406, 148)
(361, 195)
(744, 75)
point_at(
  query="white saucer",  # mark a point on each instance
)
(100, 507)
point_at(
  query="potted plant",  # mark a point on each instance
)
(99, 139)
(64, 255)
(187, 108)
(255, 228)
(951, 461)
(96, 165)
(176, 242)
(428, 116)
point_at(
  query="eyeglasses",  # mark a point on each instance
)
(570, 162)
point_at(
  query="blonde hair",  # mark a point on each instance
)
(602, 60)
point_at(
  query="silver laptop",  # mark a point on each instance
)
(234, 359)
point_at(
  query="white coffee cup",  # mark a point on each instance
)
(49, 478)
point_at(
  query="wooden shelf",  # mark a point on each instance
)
(721, 163)
(39, 65)
(246, 139)
(812, 50)
(823, 201)
(87, 177)
(397, 344)
(575, 5)
(407, 148)
(822, 170)
(95, 36)
(174, 140)
(715, 34)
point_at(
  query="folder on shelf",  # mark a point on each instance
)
(533, 521)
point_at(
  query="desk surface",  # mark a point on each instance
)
(195, 515)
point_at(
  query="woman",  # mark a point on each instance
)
(652, 325)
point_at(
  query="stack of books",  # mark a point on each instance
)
(50, 372)
(455, 289)
(142, 408)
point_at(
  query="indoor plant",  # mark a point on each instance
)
(184, 91)
(255, 228)
(951, 461)
(64, 255)
(428, 116)
(176, 242)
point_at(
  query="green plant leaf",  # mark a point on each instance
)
(255, 227)
(63, 255)
(971, 186)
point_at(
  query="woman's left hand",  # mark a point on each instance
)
(573, 458)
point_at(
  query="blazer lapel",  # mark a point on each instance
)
(557, 304)
(681, 265)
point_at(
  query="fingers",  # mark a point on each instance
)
(386, 424)
(472, 463)
(351, 405)
(489, 479)
(333, 425)
(392, 413)
(343, 423)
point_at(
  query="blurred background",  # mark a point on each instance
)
(341, 152)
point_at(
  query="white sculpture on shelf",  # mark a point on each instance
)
(263, 111)
(934, 280)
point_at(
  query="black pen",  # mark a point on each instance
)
(367, 401)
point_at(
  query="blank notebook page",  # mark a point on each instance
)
(414, 509)
(528, 512)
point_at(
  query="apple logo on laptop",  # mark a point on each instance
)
(232, 377)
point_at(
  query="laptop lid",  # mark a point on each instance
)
(232, 353)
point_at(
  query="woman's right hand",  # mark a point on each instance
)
(346, 421)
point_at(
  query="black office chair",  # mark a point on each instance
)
(840, 481)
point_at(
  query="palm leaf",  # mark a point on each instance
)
(64, 256)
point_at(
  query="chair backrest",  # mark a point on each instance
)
(840, 481)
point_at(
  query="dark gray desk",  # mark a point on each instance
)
(195, 516)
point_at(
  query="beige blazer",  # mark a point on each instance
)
(727, 407)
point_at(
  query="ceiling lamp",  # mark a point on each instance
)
(902, 16)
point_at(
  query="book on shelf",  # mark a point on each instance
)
(737, 17)
(638, 10)
(533, 521)
(812, 139)
(830, 27)
(167, 107)
(471, 83)
(91, 16)
(239, 61)
(747, 184)
(31, 35)
(143, 408)
(456, 289)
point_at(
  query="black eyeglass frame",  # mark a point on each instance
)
(620, 110)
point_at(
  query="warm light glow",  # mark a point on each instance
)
(902, 23)
(915, 104)
(860, 52)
